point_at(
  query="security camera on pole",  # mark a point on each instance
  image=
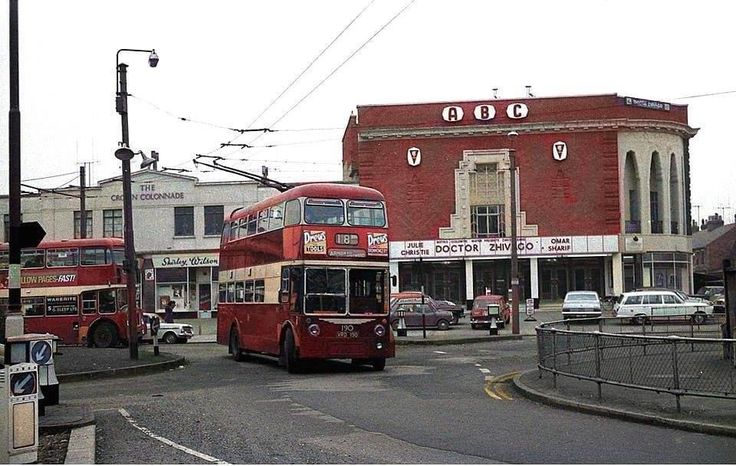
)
(125, 154)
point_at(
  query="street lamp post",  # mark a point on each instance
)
(124, 154)
(514, 246)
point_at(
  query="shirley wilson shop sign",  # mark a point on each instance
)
(490, 247)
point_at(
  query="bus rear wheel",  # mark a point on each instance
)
(104, 336)
(234, 346)
(293, 364)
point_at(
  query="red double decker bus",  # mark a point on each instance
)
(75, 289)
(304, 276)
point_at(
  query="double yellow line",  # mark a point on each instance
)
(496, 391)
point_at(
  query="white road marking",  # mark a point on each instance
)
(484, 370)
(168, 442)
(441, 352)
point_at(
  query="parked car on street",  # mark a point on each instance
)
(479, 313)
(714, 294)
(415, 311)
(168, 333)
(458, 311)
(643, 306)
(581, 304)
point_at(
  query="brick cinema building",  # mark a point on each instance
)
(602, 189)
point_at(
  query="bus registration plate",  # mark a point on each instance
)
(347, 331)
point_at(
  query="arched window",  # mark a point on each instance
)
(632, 194)
(675, 200)
(656, 194)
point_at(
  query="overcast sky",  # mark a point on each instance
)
(222, 63)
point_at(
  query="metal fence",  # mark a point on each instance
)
(684, 362)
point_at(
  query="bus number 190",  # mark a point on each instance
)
(347, 331)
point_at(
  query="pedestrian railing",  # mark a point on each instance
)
(685, 362)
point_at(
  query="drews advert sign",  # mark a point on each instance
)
(536, 246)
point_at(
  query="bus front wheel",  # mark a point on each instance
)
(234, 346)
(378, 364)
(104, 336)
(293, 365)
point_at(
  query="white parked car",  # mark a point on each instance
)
(641, 306)
(581, 304)
(168, 333)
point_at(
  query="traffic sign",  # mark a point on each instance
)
(41, 352)
(155, 325)
(31, 233)
(23, 383)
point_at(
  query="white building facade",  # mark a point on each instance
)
(177, 222)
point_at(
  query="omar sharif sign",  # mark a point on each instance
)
(535, 246)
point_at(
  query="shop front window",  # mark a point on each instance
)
(171, 284)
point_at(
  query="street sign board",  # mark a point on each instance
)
(31, 233)
(41, 352)
(23, 383)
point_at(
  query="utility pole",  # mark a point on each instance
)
(9, 322)
(82, 203)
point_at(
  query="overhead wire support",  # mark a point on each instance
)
(265, 181)
(50, 191)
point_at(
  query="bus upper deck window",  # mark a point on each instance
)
(292, 212)
(32, 258)
(324, 212)
(366, 213)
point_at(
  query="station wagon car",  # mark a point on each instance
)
(642, 306)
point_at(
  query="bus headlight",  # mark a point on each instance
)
(313, 330)
(380, 330)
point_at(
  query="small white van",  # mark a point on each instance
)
(641, 306)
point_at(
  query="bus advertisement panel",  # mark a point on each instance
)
(304, 276)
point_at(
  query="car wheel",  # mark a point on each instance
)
(698, 318)
(443, 325)
(473, 326)
(170, 338)
(293, 365)
(641, 319)
(234, 346)
(378, 364)
(395, 325)
(105, 336)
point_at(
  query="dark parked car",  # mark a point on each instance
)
(479, 314)
(458, 311)
(415, 311)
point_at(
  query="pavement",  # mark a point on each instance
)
(714, 416)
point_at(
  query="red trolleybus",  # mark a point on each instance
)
(74, 289)
(304, 276)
